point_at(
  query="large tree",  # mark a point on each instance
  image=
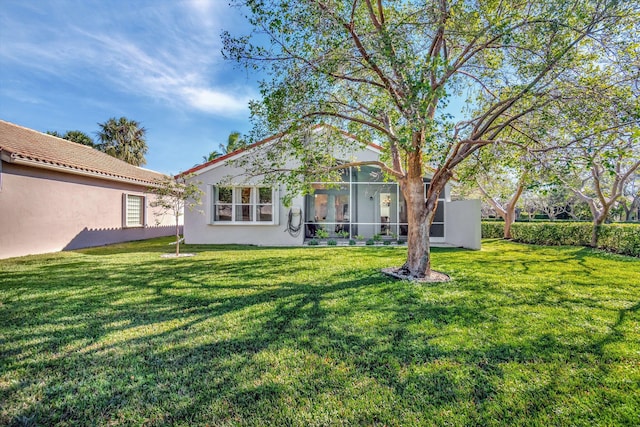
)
(501, 173)
(234, 142)
(124, 139)
(630, 202)
(597, 172)
(386, 70)
(599, 133)
(76, 136)
(79, 137)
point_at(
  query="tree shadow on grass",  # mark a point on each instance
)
(210, 342)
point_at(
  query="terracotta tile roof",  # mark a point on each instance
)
(27, 146)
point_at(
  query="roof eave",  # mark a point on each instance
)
(15, 159)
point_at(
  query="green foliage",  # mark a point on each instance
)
(321, 233)
(620, 238)
(370, 242)
(616, 238)
(76, 136)
(492, 229)
(123, 139)
(313, 242)
(234, 142)
(211, 156)
(332, 242)
(248, 336)
(552, 233)
(385, 71)
(352, 242)
(79, 137)
(173, 195)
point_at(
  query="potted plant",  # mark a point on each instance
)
(322, 233)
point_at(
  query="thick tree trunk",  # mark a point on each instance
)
(597, 222)
(509, 218)
(418, 262)
(594, 235)
(508, 212)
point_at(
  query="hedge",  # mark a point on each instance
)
(617, 238)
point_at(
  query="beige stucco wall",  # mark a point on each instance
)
(46, 211)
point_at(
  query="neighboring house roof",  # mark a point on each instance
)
(28, 147)
(199, 168)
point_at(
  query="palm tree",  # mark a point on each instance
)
(123, 139)
(234, 142)
(212, 155)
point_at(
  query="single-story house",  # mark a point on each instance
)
(240, 208)
(57, 195)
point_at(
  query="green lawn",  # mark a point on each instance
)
(522, 335)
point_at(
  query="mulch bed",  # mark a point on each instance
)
(434, 277)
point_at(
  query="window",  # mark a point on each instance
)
(134, 210)
(243, 205)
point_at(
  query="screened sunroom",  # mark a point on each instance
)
(363, 205)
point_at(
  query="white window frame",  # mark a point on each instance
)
(125, 211)
(254, 203)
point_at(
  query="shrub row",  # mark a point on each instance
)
(617, 238)
(620, 238)
(492, 229)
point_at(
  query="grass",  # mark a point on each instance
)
(523, 335)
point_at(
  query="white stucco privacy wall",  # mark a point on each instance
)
(462, 224)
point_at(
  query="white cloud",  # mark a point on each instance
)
(207, 11)
(180, 80)
(216, 102)
(163, 51)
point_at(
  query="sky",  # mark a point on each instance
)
(69, 65)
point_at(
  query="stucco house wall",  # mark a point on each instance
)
(200, 228)
(49, 207)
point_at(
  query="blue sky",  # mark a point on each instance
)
(67, 65)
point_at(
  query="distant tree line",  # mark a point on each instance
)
(125, 139)
(121, 138)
